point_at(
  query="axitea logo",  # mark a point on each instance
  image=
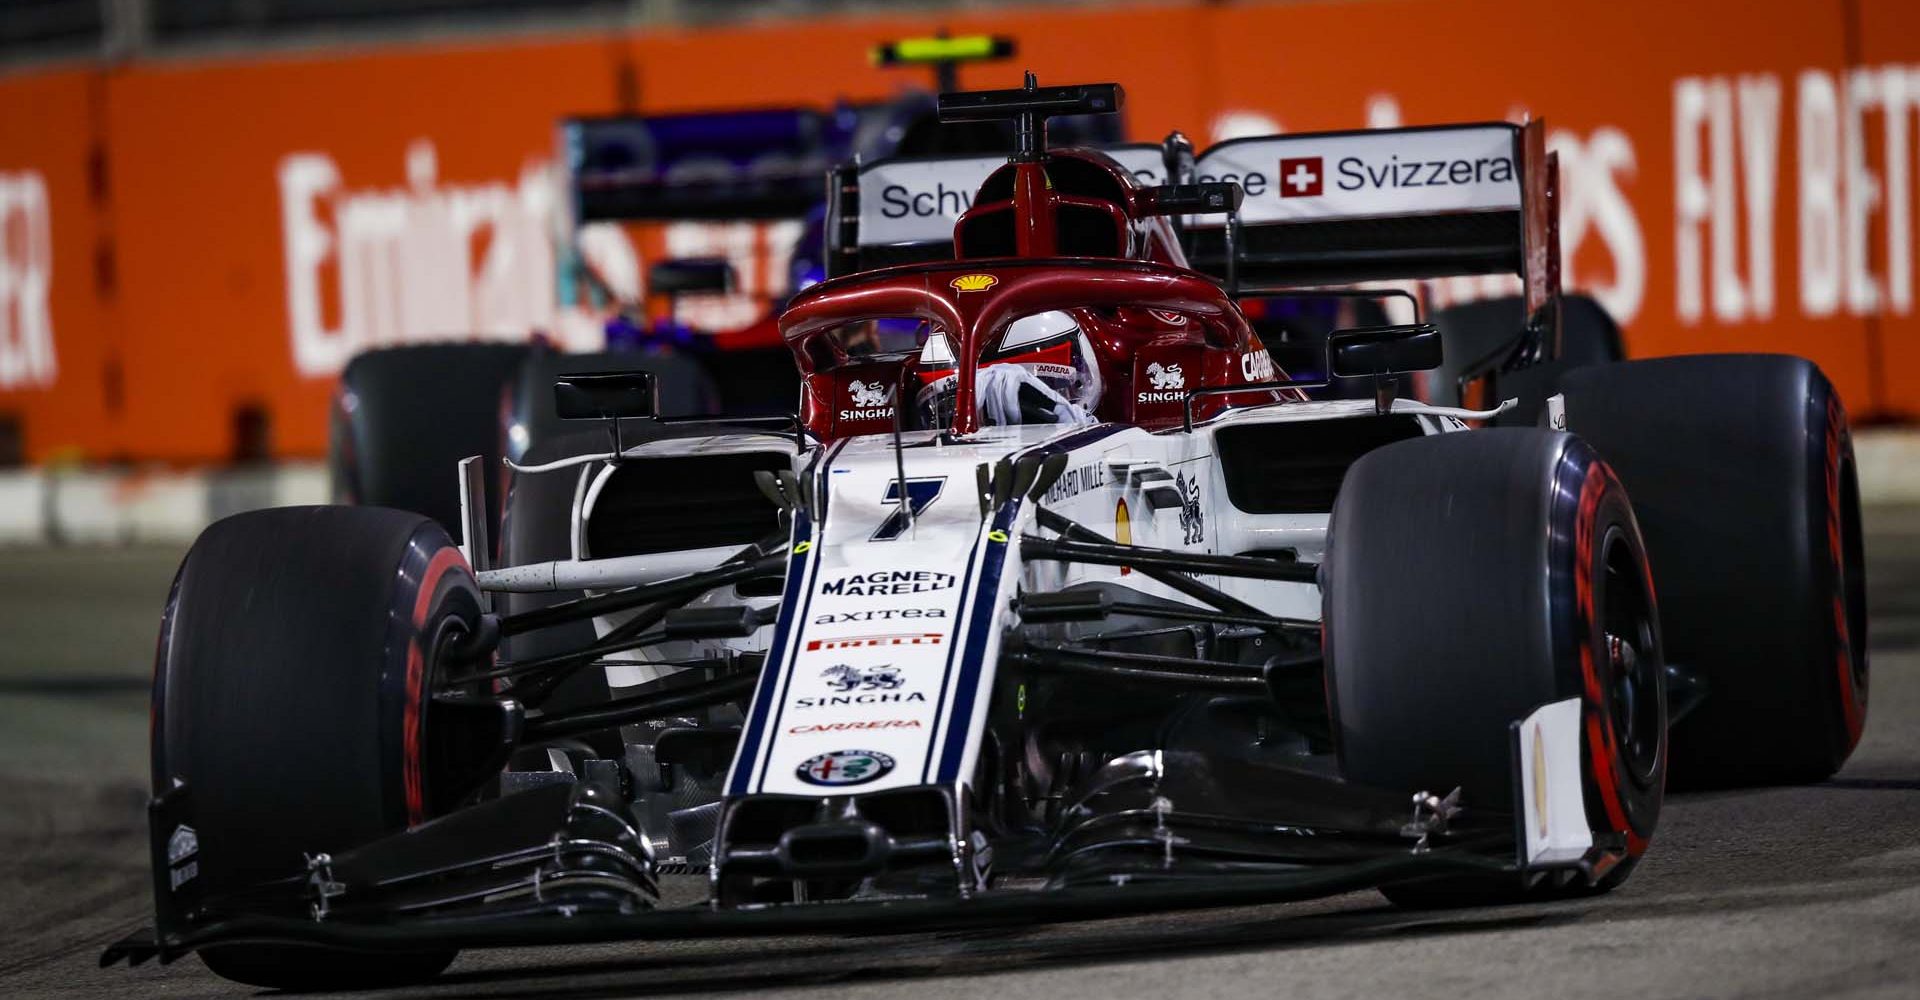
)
(888, 581)
(877, 615)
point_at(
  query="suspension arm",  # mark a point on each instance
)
(684, 587)
(648, 706)
(1071, 529)
(1198, 675)
(1142, 558)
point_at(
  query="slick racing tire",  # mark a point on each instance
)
(1742, 472)
(404, 417)
(292, 696)
(1471, 578)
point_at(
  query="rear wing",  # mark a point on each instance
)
(1338, 208)
(902, 210)
(1328, 208)
(759, 164)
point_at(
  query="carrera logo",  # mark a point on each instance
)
(886, 582)
(848, 727)
(870, 641)
(1302, 177)
(1356, 174)
(974, 282)
(1257, 365)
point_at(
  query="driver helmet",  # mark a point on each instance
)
(1042, 372)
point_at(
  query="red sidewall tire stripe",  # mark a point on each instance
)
(447, 558)
(1602, 742)
(1852, 713)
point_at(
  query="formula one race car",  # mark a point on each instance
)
(1055, 600)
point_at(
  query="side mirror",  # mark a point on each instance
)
(1383, 350)
(1192, 199)
(691, 275)
(607, 396)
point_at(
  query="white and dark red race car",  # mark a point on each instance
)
(1056, 598)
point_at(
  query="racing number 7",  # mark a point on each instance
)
(920, 493)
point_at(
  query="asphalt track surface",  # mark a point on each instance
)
(1786, 892)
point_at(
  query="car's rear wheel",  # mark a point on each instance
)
(404, 417)
(292, 700)
(1742, 470)
(1470, 579)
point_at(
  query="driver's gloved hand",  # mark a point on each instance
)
(1010, 394)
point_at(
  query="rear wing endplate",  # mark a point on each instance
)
(1339, 208)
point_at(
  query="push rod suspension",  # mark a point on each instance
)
(1075, 531)
(647, 706)
(1174, 612)
(1142, 558)
(1198, 675)
(689, 586)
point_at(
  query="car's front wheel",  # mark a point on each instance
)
(1470, 579)
(292, 706)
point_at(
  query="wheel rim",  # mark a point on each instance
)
(1629, 647)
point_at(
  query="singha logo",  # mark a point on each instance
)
(1169, 384)
(871, 401)
(869, 395)
(1193, 523)
(841, 677)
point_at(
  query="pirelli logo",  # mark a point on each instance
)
(869, 641)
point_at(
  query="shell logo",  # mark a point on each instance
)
(974, 282)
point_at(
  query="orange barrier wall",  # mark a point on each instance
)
(1739, 175)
